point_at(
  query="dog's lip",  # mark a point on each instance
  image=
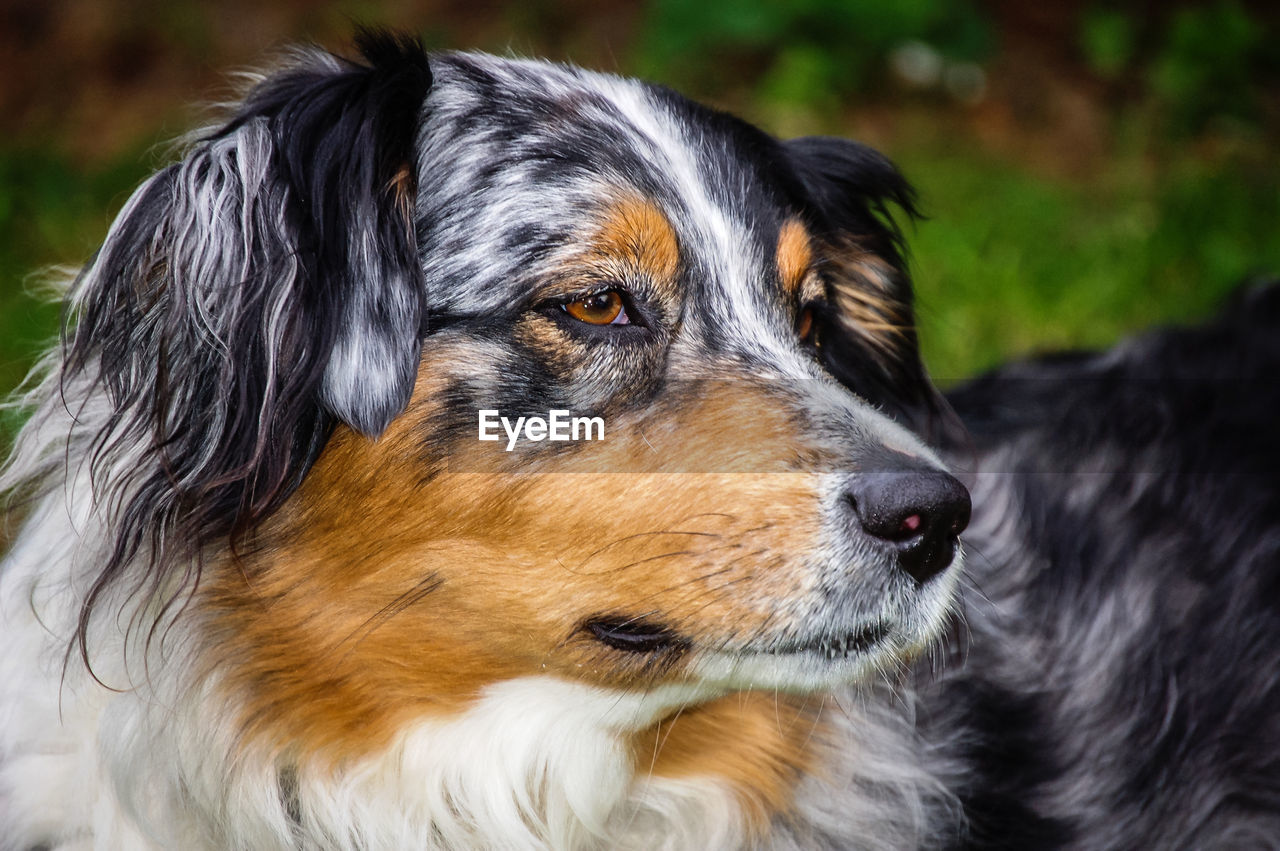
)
(643, 636)
(832, 644)
(634, 635)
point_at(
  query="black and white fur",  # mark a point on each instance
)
(1118, 683)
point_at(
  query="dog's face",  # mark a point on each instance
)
(729, 306)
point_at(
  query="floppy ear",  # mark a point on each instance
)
(870, 344)
(251, 295)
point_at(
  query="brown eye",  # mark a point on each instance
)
(604, 308)
(805, 327)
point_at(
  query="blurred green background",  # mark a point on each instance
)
(1086, 168)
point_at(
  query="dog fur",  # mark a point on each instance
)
(270, 592)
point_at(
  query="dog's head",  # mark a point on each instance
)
(300, 323)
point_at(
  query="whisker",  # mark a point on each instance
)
(413, 596)
(579, 569)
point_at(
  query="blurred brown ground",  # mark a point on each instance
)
(95, 78)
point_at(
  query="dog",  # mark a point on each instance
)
(275, 587)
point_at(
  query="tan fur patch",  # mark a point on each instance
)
(635, 231)
(795, 255)
(862, 286)
(760, 744)
(402, 189)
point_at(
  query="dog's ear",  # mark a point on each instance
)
(341, 168)
(257, 292)
(870, 343)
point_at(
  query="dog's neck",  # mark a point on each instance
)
(542, 762)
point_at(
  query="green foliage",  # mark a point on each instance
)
(1009, 263)
(806, 52)
(1210, 65)
(1108, 38)
(1197, 65)
(50, 212)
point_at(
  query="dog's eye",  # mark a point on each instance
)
(807, 327)
(605, 308)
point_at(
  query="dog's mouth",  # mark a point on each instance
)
(635, 635)
(837, 646)
(643, 636)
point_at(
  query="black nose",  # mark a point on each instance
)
(920, 512)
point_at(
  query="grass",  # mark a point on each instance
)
(51, 213)
(1007, 262)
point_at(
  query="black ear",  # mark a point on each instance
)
(870, 341)
(254, 293)
(343, 142)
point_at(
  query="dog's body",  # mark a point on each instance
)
(271, 591)
(1120, 683)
